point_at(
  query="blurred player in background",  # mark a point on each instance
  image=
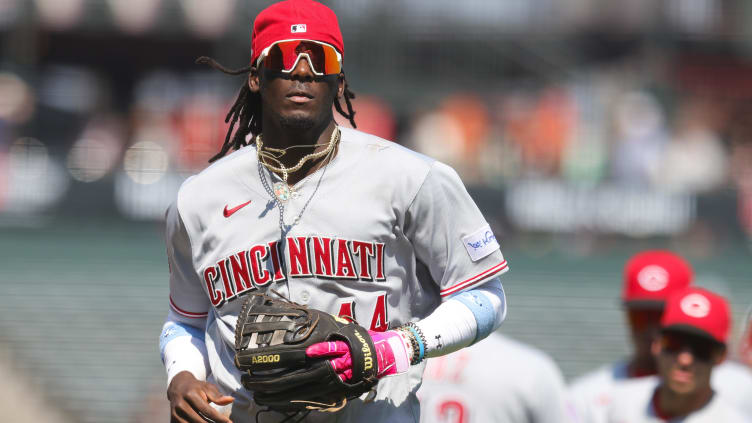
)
(649, 278)
(694, 332)
(733, 379)
(495, 380)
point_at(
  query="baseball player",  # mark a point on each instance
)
(694, 330)
(495, 380)
(325, 216)
(649, 278)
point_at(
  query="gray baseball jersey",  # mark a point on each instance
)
(733, 382)
(383, 234)
(496, 380)
(590, 395)
(632, 402)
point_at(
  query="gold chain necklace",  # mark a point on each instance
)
(274, 154)
(284, 229)
(282, 190)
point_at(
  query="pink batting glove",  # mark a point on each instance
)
(391, 354)
(339, 352)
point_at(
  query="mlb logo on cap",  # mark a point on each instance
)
(699, 312)
(298, 28)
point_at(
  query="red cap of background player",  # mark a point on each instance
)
(652, 276)
(295, 20)
(698, 311)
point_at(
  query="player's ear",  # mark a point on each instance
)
(340, 84)
(720, 357)
(253, 80)
(656, 346)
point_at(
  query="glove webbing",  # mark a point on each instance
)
(276, 323)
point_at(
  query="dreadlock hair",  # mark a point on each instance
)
(246, 111)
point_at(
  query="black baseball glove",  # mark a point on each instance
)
(271, 338)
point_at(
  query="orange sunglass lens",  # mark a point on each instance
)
(333, 66)
(283, 56)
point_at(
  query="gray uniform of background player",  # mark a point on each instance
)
(632, 403)
(496, 380)
(373, 191)
(590, 395)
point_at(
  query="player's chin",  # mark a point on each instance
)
(682, 386)
(297, 120)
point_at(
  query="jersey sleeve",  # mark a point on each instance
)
(187, 296)
(450, 235)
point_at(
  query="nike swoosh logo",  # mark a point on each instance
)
(229, 212)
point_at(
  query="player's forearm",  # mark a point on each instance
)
(182, 348)
(464, 319)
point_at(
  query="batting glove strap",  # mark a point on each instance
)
(393, 351)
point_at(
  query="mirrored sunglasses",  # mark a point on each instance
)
(283, 56)
(701, 349)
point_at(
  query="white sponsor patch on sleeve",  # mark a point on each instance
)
(480, 243)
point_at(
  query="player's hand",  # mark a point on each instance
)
(391, 354)
(190, 398)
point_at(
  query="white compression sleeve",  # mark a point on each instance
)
(464, 319)
(183, 348)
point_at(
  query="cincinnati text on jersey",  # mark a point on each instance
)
(311, 256)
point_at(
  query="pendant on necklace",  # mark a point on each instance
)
(282, 191)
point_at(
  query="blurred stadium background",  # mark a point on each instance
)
(587, 130)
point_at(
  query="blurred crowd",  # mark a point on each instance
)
(118, 121)
(591, 131)
(594, 130)
(601, 127)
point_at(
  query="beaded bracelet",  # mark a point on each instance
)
(408, 341)
(412, 343)
(418, 341)
(421, 340)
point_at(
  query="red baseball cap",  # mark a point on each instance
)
(699, 312)
(650, 277)
(295, 20)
